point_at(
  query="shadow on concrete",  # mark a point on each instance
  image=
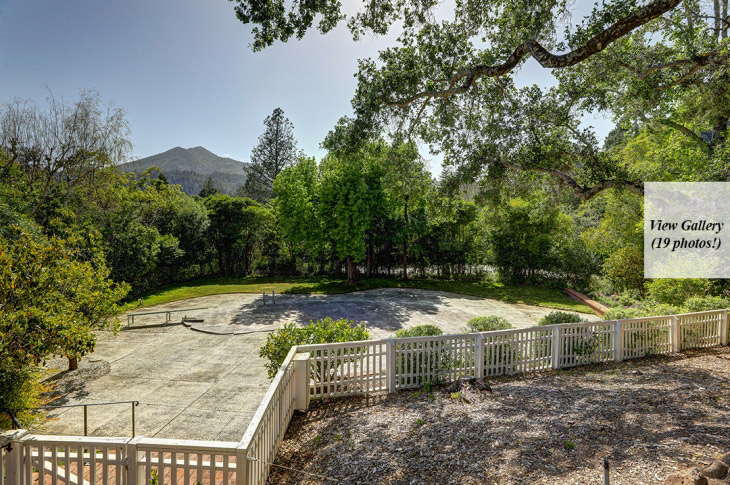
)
(376, 311)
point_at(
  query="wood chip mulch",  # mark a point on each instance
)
(650, 417)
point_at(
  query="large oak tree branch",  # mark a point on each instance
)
(547, 59)
(579, 190)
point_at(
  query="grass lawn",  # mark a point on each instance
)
(530, 295)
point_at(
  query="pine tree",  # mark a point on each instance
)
(276, 150)
(209, 188)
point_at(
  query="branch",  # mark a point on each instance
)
(677, 126)
(547, 59)
(584, 193)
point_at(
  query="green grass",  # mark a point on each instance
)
(530, 295)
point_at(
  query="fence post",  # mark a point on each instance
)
(724, 328)
(557, 329)
(242, 465)
(390, 355)
(479, 357)
(135, 473)
(676, 344)
(618, 341)
(15, 457)
(301, 380)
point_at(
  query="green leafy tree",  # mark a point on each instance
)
(343, 208)
(53, 298)
(296, 206)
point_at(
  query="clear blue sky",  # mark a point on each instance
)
(184, 72)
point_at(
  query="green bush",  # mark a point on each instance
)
(647, 308)
(676, 291)
(560, 317)
(419, 331)
(279, 342)
(487, 324)
(624, 269)
(21, 391)
(705, 303)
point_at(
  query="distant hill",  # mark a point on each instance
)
(190, 167)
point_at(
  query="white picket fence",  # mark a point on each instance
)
(342, 369)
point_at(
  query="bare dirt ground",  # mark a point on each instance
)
(650, 417)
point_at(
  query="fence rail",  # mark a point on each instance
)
(341, 369)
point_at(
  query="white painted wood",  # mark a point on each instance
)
(724, 331)
(301, 381)
(676, 337)
(618, 341)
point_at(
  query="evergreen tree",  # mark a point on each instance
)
(276, 150)
(208, 189)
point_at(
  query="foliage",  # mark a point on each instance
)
(624, 269)
(276, 150)
(488, 324)
(279, 342)
(425, 330)
(21, 391)
(52, 298)
(553, 318)
(705, 303)
(676, 291)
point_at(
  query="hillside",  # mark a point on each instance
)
(190, 167)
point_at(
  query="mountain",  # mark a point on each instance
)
(190, 167)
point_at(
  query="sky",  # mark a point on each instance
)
(184, 72)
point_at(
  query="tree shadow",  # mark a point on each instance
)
(376, 311)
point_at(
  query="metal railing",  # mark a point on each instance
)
(86, 411)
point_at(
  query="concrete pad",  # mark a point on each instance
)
(196, 424)
(194, 385)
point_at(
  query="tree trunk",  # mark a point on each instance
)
(351, 271)
(73, 363)
(405, 241)
(369, 270)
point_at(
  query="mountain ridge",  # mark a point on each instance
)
(190, 167)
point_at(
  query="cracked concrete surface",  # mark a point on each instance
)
(207, 384)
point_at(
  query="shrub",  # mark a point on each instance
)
(487, 324)
(419, 331)
(279, 342)
(21, 391)
(704, 303)
(560, 317)
(676, 291)
(647, 308)
(624, 269)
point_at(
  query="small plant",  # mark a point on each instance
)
(415, 394)
(420, 422)
(318, 440)
(419, 331)
(487, 324)
(427, 386)
(553, 318)
(338, 437)
(456, 395)
(569, 445)
(154, 478)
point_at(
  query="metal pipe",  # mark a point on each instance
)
(263, 296)
(86, 427)
(605, 472)
(273, 297)
(88, 404)
(134, 404)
